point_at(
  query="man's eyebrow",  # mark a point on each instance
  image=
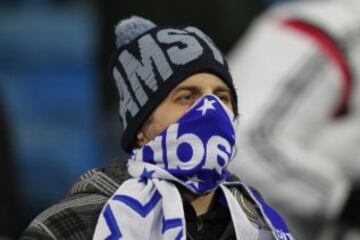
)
(186, 88)
(222, 89)
(196, 89)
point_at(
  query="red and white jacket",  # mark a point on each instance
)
(297, 76)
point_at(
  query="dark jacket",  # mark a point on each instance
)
(76, 216)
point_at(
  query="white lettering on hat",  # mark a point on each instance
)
(187, 49)
(217, 54)
(142, 70)
(153, 65)
(127, 103)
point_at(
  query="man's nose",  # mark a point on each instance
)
(207, 91)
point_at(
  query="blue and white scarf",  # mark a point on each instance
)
(194, 152)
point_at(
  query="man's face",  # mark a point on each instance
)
(179, 100)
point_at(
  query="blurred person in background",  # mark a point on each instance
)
(297, 73)
(178, 107)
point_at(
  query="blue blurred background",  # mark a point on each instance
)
(58, 108)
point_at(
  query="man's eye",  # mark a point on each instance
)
(186, 98)
(225, 98)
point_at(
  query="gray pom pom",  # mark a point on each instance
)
(128, 29)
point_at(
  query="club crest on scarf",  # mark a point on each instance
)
(195, 150)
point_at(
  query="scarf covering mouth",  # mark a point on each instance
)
(194, 152)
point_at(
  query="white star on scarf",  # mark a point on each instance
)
(206, 106)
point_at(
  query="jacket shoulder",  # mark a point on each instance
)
(73, 218)
(76, 216)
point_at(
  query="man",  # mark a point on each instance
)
(298, 71)
(178, 107)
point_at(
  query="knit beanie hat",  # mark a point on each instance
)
(150, 61)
